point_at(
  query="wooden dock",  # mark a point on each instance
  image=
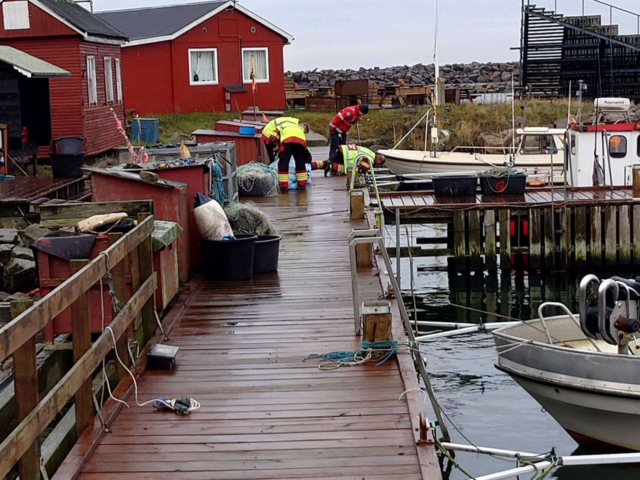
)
(582, 227)
(266, 412)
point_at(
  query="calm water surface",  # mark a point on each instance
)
(487, 406)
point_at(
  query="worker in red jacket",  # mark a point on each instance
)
(342, 123)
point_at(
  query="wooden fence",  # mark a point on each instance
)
(17, 338)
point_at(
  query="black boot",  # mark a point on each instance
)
(327, 168)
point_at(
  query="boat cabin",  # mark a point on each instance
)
(604, 153)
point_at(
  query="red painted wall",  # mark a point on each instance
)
(42, 25)
(100, 130)
(154, 87)
(52, 41)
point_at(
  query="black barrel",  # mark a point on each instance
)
(267, 253)
(229, 259)
(67, 165)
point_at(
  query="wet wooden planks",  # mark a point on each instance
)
(266, 412)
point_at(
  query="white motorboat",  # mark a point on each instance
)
(598, 154)
(584, 371)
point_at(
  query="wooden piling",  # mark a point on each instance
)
(505, 239)
(596, 236)
(624, 233)
(459, 240)
(475, 240)
(535, 249)
(549, 238)
(357, 204)
(564, 227)
(636, 235)
(611, 235)
(490, 258)
(580, 237)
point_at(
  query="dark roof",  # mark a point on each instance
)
(83, 19)
(152, 22)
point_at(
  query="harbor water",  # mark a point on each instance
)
(485, 406)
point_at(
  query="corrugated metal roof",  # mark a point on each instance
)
(83, 19)
(29, 65)
(152, 22)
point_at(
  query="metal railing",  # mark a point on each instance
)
(375, 237)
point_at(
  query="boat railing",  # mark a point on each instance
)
(563, 307)
(483, 149)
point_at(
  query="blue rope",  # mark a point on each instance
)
(350, 356)
(218, 193)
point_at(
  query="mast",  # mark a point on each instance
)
(434, 131)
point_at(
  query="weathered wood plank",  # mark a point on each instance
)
(611, 235)
(145, 258)
(636, 235)
(580, 237)
(624, 233)
(475, 239)
(549, 239)
(18, 331)
(25, 370)
(505, 239)
(459, 239)
(535, 234)
(71, 213)
(23, 436)
(118, 274)
(596, 236)
(81, 336)
(490, 224)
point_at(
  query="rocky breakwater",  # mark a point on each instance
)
(479, 77)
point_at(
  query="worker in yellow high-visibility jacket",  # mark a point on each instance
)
(271, 134)
(293, 143)
(348, 157)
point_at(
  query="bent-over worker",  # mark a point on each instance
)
(342, 123)
(293, 143)
(361, 158)
(271, 134)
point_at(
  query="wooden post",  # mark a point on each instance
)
(581, 237)
(624, 231)
(505, 239)
(81, 335)
(475, 239)
(145, 254)
(459, 240)
(357, 204)
(549, 239)
(118, 273)
(565, 237)
(636, 235)
(636, 181)
(25, 370)
(364, 255)
(490, 258)
(611, 235)
(596, 236)
(376, 322)
(535, 230)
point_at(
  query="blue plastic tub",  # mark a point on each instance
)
(248, 131)
(145, 130)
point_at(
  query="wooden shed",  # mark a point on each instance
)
(69, 37)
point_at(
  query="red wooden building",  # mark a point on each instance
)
(198, 58)
(70, 37)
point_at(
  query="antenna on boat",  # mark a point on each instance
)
(436, 64)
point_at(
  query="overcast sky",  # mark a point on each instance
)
(355, 33)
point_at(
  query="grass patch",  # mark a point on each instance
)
(387, 127)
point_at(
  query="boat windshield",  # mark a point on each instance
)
(538, 145)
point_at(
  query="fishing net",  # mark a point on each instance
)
(257, 180)
(247, 219)
(501, 172)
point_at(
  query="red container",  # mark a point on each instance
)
(170, 202)
(248, 148)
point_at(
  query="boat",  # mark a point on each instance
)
(583, 369)
(602, 153)
(538, 149)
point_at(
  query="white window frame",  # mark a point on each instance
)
(92, 80)
(108, 80)
(16, 15)
(119, 90)
(246, 76)
(215, 55)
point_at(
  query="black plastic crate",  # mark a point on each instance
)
(511, 185)
(455, 185)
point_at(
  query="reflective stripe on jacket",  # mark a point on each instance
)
(352, 152)
(345, 118)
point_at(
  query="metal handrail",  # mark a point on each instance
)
(374, 236)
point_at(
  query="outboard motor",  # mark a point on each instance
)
(614, 316)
